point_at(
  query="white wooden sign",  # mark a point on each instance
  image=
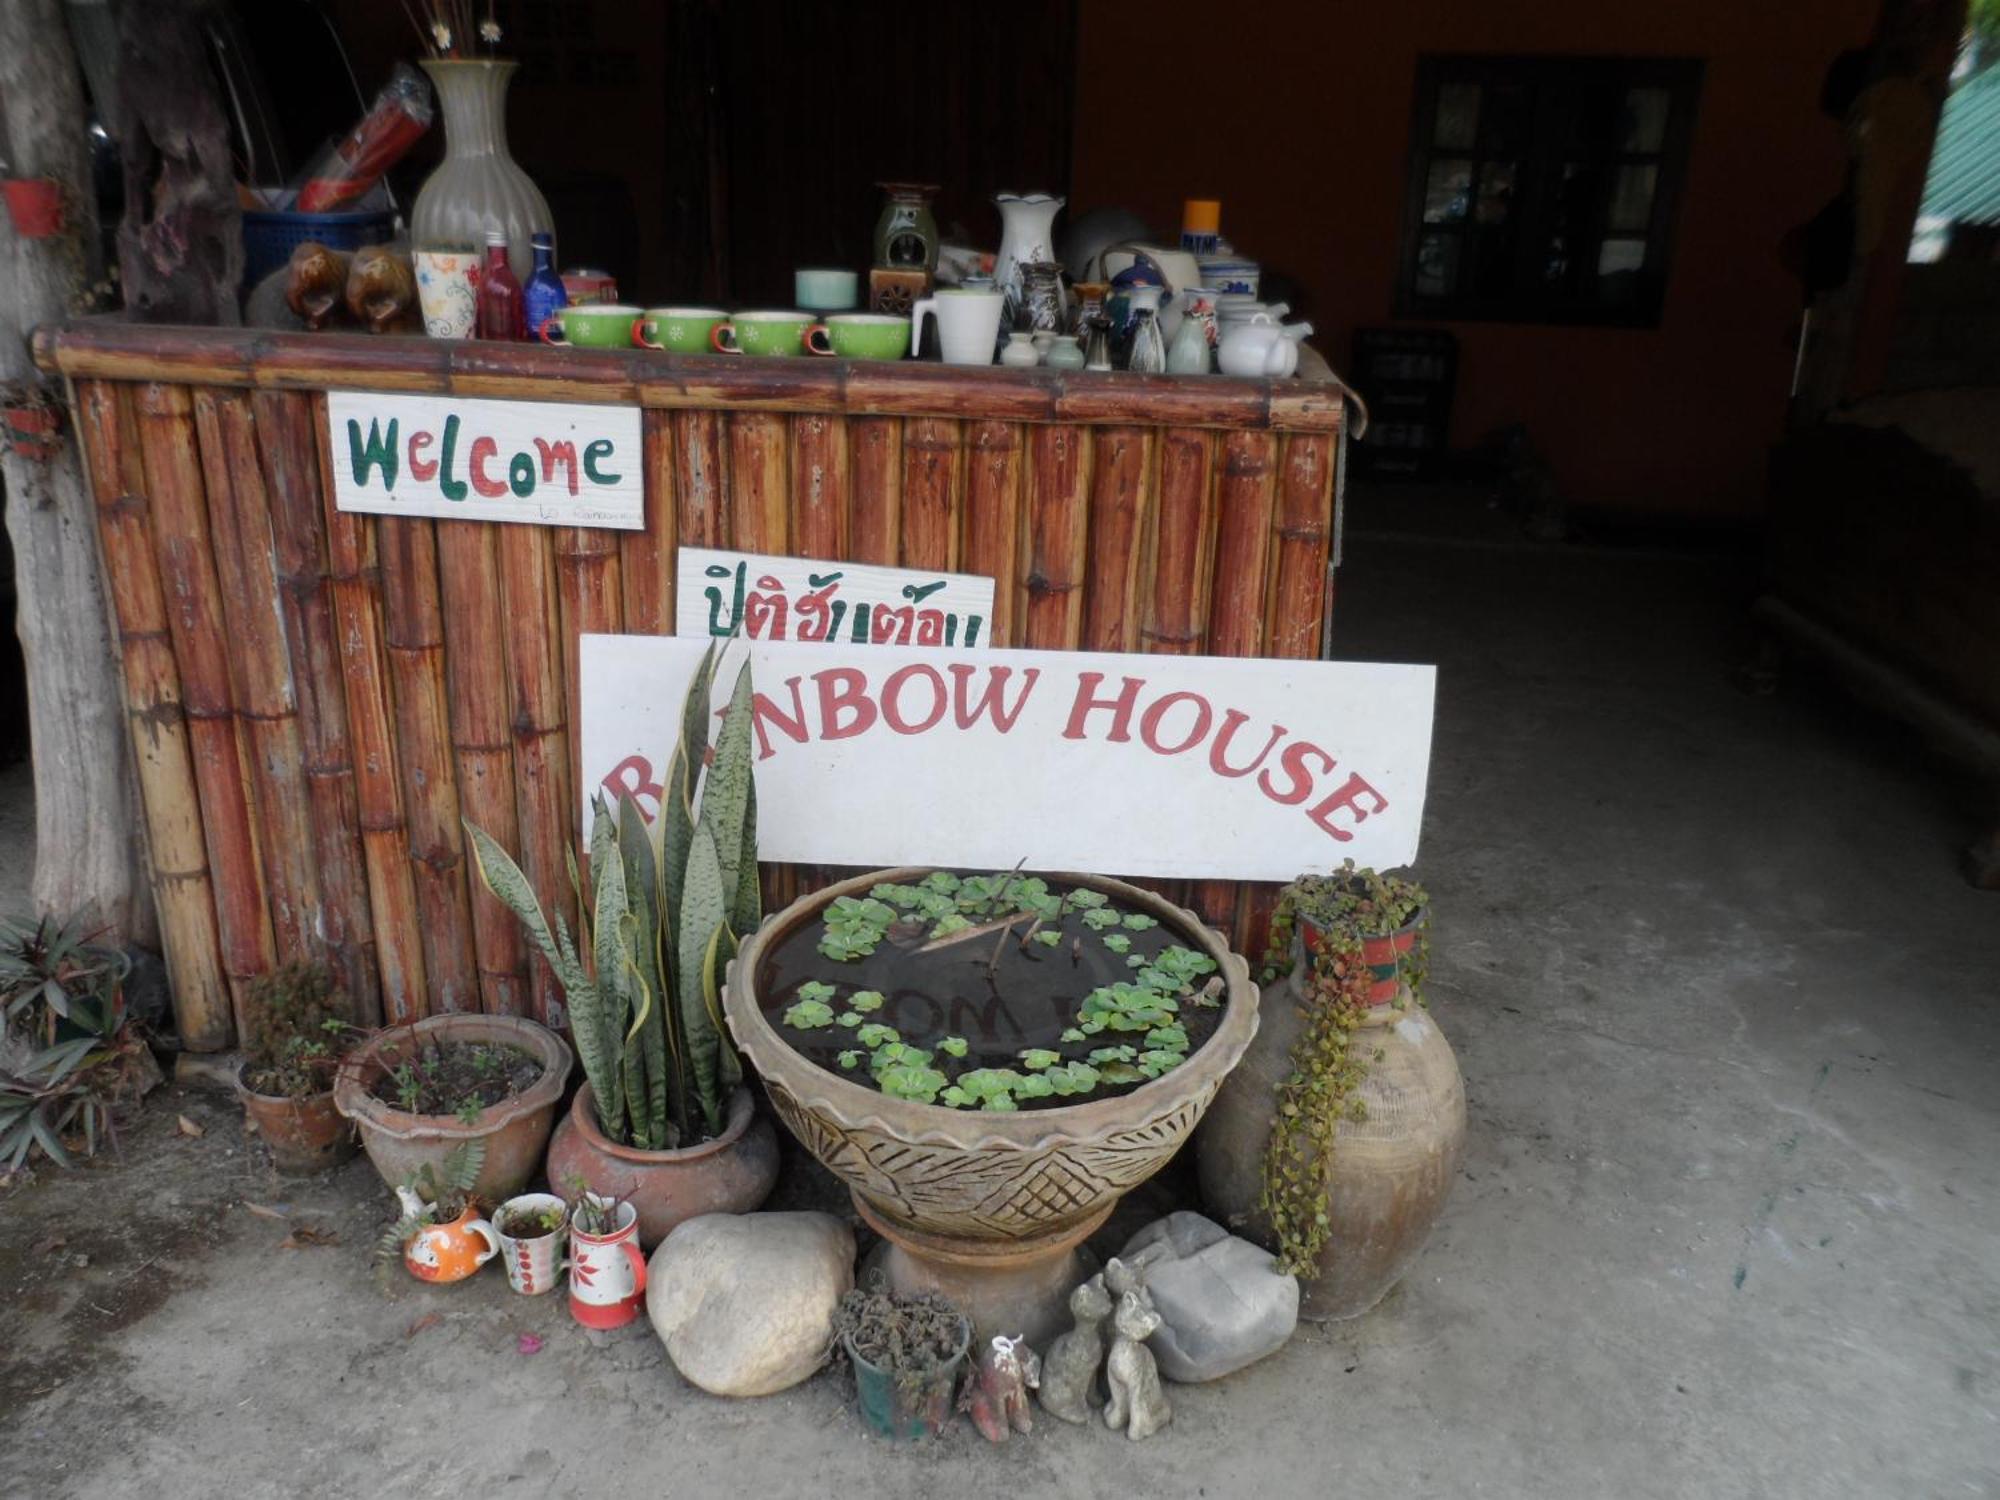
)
(803, 599)
(551, 463)
(1212, 767)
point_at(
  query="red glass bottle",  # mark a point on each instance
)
(500, 307)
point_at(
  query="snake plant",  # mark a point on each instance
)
(672, 901)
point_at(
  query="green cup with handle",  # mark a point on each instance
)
(591, 325)
(678, 330)
(860, 336)
(769, 333)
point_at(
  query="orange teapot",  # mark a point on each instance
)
(447, 1252)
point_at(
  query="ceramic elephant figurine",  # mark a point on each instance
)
(997, 1396)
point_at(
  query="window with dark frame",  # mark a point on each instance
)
(1544, 190)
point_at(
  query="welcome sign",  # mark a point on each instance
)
(546, 462)
(1238, 768)
(801, 599)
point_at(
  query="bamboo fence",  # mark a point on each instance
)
(320, 700)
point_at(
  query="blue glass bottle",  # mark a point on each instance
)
(543, 297)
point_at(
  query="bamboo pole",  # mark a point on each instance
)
(289, 450)
(201, 649)
(933, 493)
(177, 852)
(646, 559)
(993, 516)
(1053, 536)
(701, 478)
(592, 597)
(874, 496)
(353, 585)
(531, 615)
(1121, 499)
(413, 633)
(260, 670)
(468, 558)
(1245, 497)
(819, 486)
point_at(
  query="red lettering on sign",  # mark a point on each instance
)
(892, 699)
(483, 449)
(992, 702)
(843, 690)
(1348, 796)
(764, 712)
(1120, 706)
(422, 470)
(633, 777)
(1218, 753)
(557, 453)
(1293, 762)
(1149, 722)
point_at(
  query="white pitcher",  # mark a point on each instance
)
(968, 323)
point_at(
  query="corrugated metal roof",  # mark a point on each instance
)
(1964, 182)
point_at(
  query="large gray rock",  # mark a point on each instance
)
(744, 1302)
(1222, 1301)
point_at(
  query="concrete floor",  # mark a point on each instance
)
(1727, 1224)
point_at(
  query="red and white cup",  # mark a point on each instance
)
(607, 1273)
(533, 1265)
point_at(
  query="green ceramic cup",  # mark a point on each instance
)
(678, 330)
(860, 336)
(761, 333)
(594, 325)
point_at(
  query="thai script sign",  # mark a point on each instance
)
(1212, 767)
(800, 599)
(547, 462)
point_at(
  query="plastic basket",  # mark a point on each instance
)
(269, 237)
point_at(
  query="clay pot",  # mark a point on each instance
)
(1392, 1171)
(731, 1174)
(985, 1208)
(305, 1135)
(1386, 954)
(515, 1130)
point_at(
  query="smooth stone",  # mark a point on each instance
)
(1222, 1301)
(744, 1302)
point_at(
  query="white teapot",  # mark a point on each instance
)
(1260, 345)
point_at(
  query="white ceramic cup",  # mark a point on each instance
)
(445, 291)
(968, 324)
(533, 1266)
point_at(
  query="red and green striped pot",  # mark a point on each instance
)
(1386, 954)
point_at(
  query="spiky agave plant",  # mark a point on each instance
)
(672, 903)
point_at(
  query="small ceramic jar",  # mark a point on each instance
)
(1019, 354)
(1064, 353)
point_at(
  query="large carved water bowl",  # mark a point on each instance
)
(988, 1207)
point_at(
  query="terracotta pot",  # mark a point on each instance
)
(305, 1135)
(35, 204)
(731, 1174)
(1392, 1171)
(515, 1130)
(987, 1208)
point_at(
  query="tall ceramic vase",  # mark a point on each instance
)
(1027, 235)
(1392, 1169)
(478, 186)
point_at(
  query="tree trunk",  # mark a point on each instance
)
(180, 245)
(87, 847)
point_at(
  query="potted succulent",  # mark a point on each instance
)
(907, 1353)
(989, 1062)
(663, 1119)
(1337, 1141)
(69, 1050)
(419, 1091)
(297, 1041)
(439, 1236)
